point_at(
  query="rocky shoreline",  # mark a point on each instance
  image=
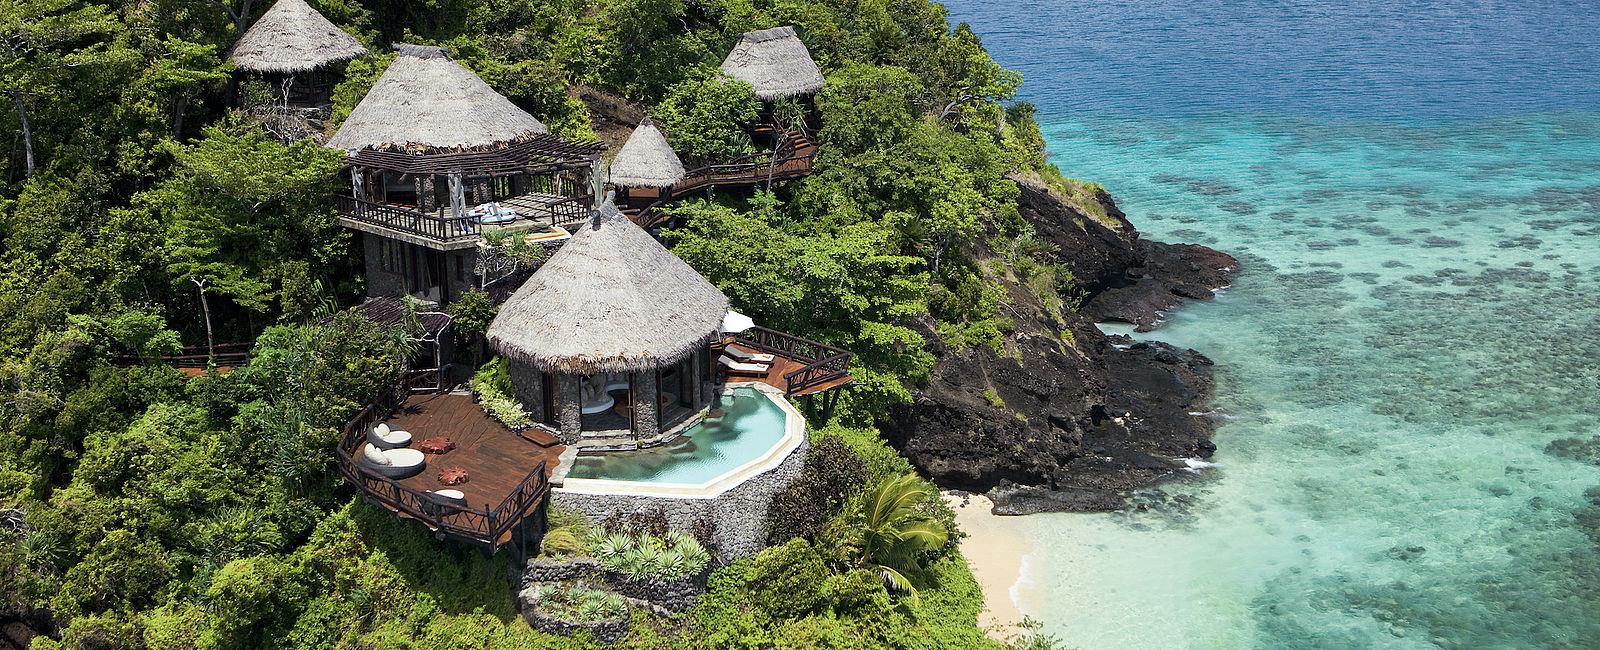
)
(1070, 419)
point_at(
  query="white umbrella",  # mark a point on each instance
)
(735, 322)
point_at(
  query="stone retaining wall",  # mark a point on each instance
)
(740, 514)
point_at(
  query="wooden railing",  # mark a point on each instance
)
(407, 220)
(567, 211)
(818, 372)
(228, 355)
(404, 219)
(823, 362)
(485, 526)
(792, 160)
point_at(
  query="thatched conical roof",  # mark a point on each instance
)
(612, 299)
(292, 37)
(427, 103)
(646, 160)
(775, 62)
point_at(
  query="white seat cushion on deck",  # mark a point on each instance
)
(374, 456)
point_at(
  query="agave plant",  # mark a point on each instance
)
(673, 563)
(612, 548)
(591, 605)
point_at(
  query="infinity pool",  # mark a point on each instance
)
(751, 425)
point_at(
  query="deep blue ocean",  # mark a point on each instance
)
(1409, 362)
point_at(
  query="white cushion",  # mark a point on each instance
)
(374, 456)
(453, 495)
(382, 429)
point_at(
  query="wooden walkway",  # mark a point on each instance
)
(793, 160)
(496, 458)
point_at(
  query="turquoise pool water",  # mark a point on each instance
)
(751, 424)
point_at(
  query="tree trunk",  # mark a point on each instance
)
(205, 307)
(177, 117)
(27, 131)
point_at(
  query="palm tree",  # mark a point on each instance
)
(890, 533)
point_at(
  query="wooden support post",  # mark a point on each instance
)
(426, 202)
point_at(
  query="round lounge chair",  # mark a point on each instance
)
(394, 463)
(383, 437)
(444, 501)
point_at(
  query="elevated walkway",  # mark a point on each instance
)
(793, 159)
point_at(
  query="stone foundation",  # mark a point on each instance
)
(740, 513)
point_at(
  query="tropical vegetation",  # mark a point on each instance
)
(147, 508)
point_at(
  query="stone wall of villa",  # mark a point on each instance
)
(740, 514)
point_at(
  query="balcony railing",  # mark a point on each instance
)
(442, 226)
(407, 220)
(823, 362)
(486, 526)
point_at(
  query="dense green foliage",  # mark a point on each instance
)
(138, 215)
(705, 117)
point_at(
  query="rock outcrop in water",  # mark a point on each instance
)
(1069, 418)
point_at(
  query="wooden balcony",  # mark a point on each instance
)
(508, 473)
(800, 366)
(444, 230)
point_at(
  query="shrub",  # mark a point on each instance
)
(563, 541)
(675, 555)
(492, 383)
(832, 472)
(579, 604)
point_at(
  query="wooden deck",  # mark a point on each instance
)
(781, 366)
(496, 459)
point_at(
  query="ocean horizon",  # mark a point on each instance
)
(1410, 412)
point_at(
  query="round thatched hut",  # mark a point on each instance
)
(610, 338)
(292, 48)
(435, 158)
(646, 160)
(645, 166)
(775, 62)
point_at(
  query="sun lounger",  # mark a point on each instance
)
(394, 463)
(384, 437)
(748, 357)
(735, 367)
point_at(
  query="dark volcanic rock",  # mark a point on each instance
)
(1012, 499)
(1164, 276)
(1097, 252)
(1083, 416)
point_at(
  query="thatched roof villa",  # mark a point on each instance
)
(291, 47)
(425, 102)
(292, 37)
(646, 160)
(612, 310)
(435, 156)
(775, 62)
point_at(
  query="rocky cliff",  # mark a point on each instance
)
(1069, 418)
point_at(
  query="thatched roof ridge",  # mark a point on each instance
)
(775, 62)
(612, 299)
(292, 37)
(427, 103)
(646, 160)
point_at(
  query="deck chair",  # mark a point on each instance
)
(737, 368)
(747, 357)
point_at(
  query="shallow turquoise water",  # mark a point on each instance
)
(750, 426)
(1418, 318)
(1413, 188)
